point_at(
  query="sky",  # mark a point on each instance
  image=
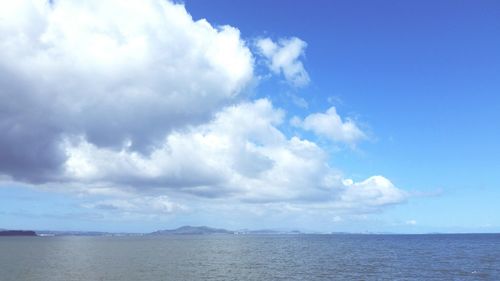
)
(359, 116)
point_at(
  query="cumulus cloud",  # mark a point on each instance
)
(123, 98)
(372, 192)
(113, 71)
(331, 126)
(284, 57)
(239, 155)
(239, 145)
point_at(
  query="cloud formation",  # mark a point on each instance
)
(123, 98)
(241, 154)
(331, 126)
(284, 57)
(112, 71)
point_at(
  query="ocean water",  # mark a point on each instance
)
(246, 257)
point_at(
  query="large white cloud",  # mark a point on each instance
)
(239, 155)
(114, 71)
(135, 98)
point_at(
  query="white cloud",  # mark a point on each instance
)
(240, 145)
(114, 71)
(283, 57)
(138, 102)
(331, 126)
(372, 192)
(240, 156)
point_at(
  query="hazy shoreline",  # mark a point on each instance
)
(205, 230)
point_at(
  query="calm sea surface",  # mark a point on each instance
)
(265, 257)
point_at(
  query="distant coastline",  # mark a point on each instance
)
(202, 230)
(17, 233)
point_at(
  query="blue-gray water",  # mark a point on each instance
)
(228, 257)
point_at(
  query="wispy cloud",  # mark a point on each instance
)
(283, 57)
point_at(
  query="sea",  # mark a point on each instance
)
(251, 257)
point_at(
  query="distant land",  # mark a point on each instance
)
(183, 230)
(17, 233)
(192, 230)
(186, 230)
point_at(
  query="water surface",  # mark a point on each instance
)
(246, 257)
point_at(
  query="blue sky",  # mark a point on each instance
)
(418, 79)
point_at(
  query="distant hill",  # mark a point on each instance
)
(185, 230)
(17, 233)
